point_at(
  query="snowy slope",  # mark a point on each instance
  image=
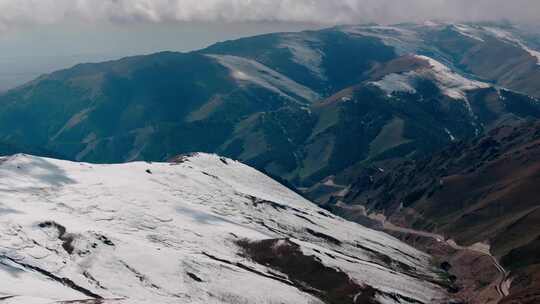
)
(414, 38)
(506, 35)
(167, 233)
(449, 82)
(251, 72)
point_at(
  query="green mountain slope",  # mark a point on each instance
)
(303, 106)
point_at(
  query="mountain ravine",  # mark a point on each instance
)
(480, 194)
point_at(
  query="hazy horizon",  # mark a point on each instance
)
(30, 52)
(40, 37)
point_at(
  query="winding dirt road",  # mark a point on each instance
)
(503, 285)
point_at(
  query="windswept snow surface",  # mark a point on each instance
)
(467, 31)
(255, 73)
(166, 233)
(449, 82)
(392, 83)
(411, 39)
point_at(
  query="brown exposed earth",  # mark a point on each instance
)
(480, 191)
(476, 276)
(308, 273)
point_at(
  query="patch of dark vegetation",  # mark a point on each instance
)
(522, 256)
(274, 205)
(402, 299)
(93, 301)
(182, 158)
(330, 255)
(91, 278)
(453, 289)
(211, 175)
(271, 229)
(66, 238)
(194, 277)
(277, 206)
(367, 296)
(406, 254)
(244, 267)
(105, 240)
(257, 201)
(330, 285)
(326, 237)
(387, 261)
(446, 266)
(449, 280)
(413, 197)
(365, 248)
(324, 214)
(306, 219)
(142, 278)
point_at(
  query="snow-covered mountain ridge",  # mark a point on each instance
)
(410, 38)
(187, 232)
(449, 82)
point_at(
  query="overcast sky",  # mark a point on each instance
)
(27, 12)
(38, 36)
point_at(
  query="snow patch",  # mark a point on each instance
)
(468, 31)
(449, 82)
(431, 23)
(253, 72)
(450, 135)
(393, 83)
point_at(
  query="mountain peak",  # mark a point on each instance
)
(184, 231)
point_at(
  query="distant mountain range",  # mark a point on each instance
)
(302, 106)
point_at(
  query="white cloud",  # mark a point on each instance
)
(34, 12)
